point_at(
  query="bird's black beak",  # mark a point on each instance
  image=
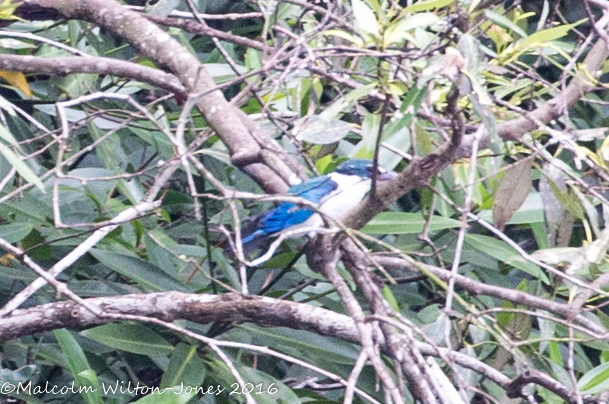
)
(387, 175)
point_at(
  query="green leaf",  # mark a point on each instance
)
(185, 367)
(269, 389)
(551, 185)
(504, 22)
(113, 156)
(135, 338)
(223, 72)
(549, 34)
(345, 35)
(410, 105)
(530, 212)
(504, 253)
(253, 59)
(401, 141)
(8, 136)
(163, 7)
(22, 168)
(512, 192)
(343, 104)
(156, 139)
(150, 277)
(390, 298)
(302, 344)
(406, 223)
(18, 274)
(21, 375)
(426, 6)
(75, 357)
(365, 19)
(486, 114)
(324, 131)
(34, 242)
(596, 380)
(356, 94)
(29, 209)
(15, 232)
(7, 9)
(398, 30)
(370, 132)
(174, 396)
(79, 367)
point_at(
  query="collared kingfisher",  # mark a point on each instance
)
(336, 195)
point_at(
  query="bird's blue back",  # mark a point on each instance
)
(289, 214)
(348, 177)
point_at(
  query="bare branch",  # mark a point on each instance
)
(92, 65)
(244, 139)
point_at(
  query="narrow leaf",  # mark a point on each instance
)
(512, 191)
(407, 223)
(22, 168)
(550, 34)
(426, 6)
(365, 20)
(8, 136)
(390, 298)
(504, 22)
(79, 367)
(504, 253)
(595, 381)
(395, 32)
(321, 131)
(149, 276)
(12, 233)
(184, 367)
(135, 338)
(17, 80)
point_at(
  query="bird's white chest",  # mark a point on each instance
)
(339, 203)
(350, 192)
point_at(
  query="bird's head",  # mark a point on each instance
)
(364, 168)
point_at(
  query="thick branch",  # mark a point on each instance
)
(418, 172)
(421, 170)
(93, 65)
(398, 344)
(196, 28)
(516, 387)
(562, 310)
(577, 88)
(243, 138)
(200, 308)
(580, 85)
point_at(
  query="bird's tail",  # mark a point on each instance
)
(253, 236)
(251, 233)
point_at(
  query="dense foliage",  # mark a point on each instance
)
(135, 139)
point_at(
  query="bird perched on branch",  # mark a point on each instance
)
(335, 194)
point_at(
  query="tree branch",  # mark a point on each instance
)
(202, 308)
(421, 170)
(515, 296)
(243, 138)
(92, 65)
(200, 29)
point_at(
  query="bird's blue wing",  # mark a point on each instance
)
(289, 214)
(314, 189)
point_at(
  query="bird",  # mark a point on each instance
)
(336, 195)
